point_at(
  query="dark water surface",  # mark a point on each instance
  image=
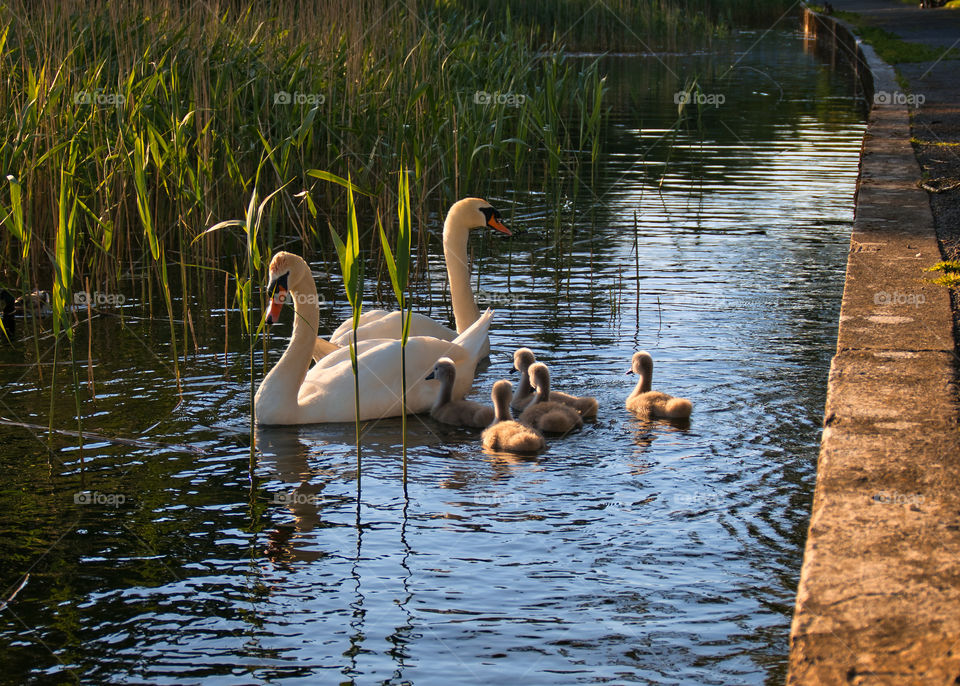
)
(631, 552)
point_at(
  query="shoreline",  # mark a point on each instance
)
(878, 590)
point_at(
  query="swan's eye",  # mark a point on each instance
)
(279, 282)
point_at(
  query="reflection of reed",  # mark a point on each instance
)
(358, 611)
(403, 634)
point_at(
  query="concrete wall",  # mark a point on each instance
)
(879, 594)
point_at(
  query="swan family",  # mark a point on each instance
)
(314, 379)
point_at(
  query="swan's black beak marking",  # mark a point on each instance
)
(431, 375)
(494, 221)
(277, 292)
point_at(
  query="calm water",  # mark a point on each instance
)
(631, 552)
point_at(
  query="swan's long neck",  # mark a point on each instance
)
(524, 388)
(280, 387)
(543, 388)
(501, 405)
(446, 391)
(465, 310)
(646, 378)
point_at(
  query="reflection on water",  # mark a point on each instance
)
(631, 551)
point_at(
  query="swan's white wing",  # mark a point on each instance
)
(389, 325)
(346, 328)
(327, 394)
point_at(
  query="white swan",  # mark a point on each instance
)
(464, 215)
(649, 403)
(290, 394)
(506, 434)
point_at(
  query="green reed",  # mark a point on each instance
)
(399, 271)
(351, 267)
(148, 121)
(180, 105)
(250, 225)
(627, 25)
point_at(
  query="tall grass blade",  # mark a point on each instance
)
(351, 268)
(399, 270)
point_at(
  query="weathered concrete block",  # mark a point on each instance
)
(879, 594)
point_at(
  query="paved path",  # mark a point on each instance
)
(935, 27)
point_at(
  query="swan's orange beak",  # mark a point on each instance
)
(494, 223)
(276, 304)
(493, 220)
(277, 291)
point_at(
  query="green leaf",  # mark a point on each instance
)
(327, 176)
(140, 158)
(391, 264)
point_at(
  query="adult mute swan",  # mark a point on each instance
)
(292, 394)
(464, 215)
(649, 403)
(506, 434)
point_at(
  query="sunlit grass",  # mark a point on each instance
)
(890, 47)
(168, 112)
(949, 273)
(153, 121)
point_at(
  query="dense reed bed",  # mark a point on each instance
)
(625, 25)
(128, 129)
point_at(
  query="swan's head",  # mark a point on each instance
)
(540, 377)
(473, 213)
(642, 363)
(501, 395)
(444, 371)
(522, 359)
(286, 271)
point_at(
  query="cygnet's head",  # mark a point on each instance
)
(642, 363)
(522, 359)
(540, 377)
(444, 371)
